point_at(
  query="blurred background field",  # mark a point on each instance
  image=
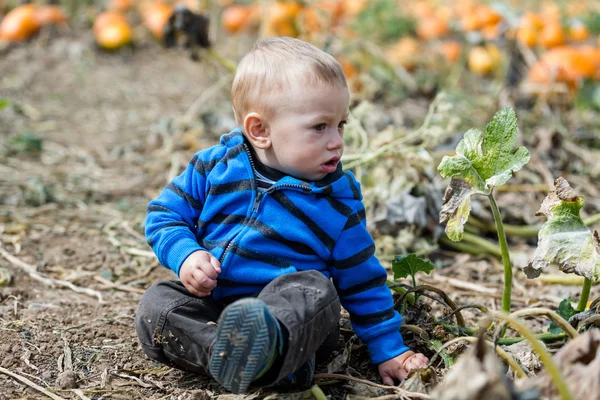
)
(103, 102)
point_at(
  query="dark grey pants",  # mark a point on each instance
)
(178, 328)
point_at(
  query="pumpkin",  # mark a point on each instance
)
(114, 35)
(352, 74)
(155, 16)
(236, 17)
(485, 15)
(491, 32)
(483, 60)
(107, 18)
(450, 50)
(552, 35)
(579, 32)
(432, 28)
(404, 52)
(19, 24)
(532, 21)
(566, 65)
(527, 36)
(280, 19)
(50, 14)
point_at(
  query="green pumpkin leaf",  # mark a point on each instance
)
(565, 310)
(482, 163)
(564, 239)
(403, 266)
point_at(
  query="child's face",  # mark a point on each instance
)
(307, 131)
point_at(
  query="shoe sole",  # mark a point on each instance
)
(245, 339)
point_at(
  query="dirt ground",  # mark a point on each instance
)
(114, 130)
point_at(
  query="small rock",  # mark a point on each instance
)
(67, 380)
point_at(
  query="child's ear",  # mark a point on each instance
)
(257, 131)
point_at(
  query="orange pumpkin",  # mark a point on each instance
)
(352, 74)
(491, 32)
(485, 15)
(552, 35)
(235, 17)
(566, 65)
(404, 52)
(527, 36)
(432, 28)
(532, 20)
(50, 14)
(450, 50)
(19, 24)
(107, 18)
(470, 23)
(280, 19)
(579, 32)
(155, 16)
(483, 60)
(114, 35)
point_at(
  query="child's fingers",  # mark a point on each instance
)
(216, 264)
(388, 380)
(416, 361)
(209, 270)
(202, 281)
(194, 291)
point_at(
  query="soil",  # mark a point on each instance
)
(113, 132)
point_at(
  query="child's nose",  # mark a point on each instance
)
(335, 141)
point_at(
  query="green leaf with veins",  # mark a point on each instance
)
(481, 163)
(403, 266)
(564, 239)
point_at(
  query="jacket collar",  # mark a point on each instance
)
(337, 184)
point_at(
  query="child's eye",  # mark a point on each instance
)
(341, 125)
(320, 127)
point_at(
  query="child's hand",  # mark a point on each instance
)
(399, 367)
(199, 273)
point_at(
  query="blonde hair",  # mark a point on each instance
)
(272, 66)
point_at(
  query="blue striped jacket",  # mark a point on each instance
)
(214, 205)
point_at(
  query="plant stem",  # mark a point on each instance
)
(460, 246)
(400, 290)
(227, 63)
(585, 295)
(436, 345)
(545, 357)
(523, 231)
(544, 337)
(317, 392)
(506, 293)
(486, 245)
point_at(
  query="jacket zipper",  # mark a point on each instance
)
(259, 197)
(256, 204)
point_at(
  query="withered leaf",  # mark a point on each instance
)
(564, 239)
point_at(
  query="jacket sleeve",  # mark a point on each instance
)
(361, 284)
(172, 217)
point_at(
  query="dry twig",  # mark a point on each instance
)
(48, 281)
(402, 392)
(30, 384)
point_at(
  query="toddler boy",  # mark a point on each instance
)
(267, 235)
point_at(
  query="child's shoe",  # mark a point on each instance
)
(246, 345)
(302, 379)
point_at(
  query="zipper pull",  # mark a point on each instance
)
(257, 202)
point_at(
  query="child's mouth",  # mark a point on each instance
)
(330, 166)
